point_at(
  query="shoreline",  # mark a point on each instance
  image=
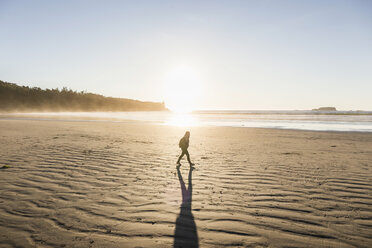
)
(161, 123)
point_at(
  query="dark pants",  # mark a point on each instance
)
(184, 151)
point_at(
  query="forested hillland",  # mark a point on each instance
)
(15, 98)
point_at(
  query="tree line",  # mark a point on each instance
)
(23, 98)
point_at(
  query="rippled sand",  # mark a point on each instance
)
(101, 184)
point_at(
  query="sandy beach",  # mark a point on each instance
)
(107, 184)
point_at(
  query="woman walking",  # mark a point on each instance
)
(184, 144)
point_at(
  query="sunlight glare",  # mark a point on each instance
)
(182, 89)
(181, 120)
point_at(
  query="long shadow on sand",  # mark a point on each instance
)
(185, 234)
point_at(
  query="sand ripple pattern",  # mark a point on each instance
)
(116, 185)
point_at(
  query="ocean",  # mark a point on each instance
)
(352, 121)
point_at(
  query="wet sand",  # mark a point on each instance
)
(104, 184)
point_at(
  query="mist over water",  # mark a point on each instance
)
(360, 121)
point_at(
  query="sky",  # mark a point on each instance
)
(239, 55)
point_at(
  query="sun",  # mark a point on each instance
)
(182, 89)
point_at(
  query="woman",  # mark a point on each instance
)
(184, 144)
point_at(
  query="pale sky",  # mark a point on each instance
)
(253, 55)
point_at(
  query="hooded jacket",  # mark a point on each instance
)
(184, 143)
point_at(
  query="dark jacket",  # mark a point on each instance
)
(184, 143)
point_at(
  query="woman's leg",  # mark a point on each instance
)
(180, 157)
(188, 156)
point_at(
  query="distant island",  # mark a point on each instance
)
(24, 99)
(325, 109)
